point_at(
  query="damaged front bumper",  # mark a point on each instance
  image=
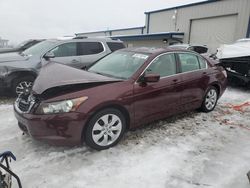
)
(56, 129)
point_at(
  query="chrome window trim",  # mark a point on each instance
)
(175, 53)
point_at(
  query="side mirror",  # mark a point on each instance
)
(49, 55)
(150, 78)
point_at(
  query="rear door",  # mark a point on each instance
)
(157, 100)
(194, 79)
(90, 52)
(67, 54)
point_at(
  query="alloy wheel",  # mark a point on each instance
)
(106, 129)
(24, 87)
(211, 99)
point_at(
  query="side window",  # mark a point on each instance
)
(203, 63)
(63, 50)
(89, 48)
(113, 46)
(164, 65)
(189, 62)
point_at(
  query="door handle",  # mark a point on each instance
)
(74, 61)
(204, 73)
(175, 80)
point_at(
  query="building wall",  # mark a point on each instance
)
(137, 31)
(162, 21)
(129, 31)
(213, 16)
(95, 34)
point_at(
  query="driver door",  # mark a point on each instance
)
(160, 99)
(67, 54)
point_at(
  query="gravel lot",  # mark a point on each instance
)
(190, 150)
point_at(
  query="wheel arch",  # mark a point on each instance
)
(21, 74)
(217, 86)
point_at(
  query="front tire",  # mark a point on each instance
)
(105, 129)
(210, 100)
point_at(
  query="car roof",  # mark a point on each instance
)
(184, 45)
(153, 50)
(180, 46)
(148, 50)
(85, 39)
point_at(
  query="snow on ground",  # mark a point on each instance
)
(189, 150)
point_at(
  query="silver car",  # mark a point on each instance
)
(19, 70)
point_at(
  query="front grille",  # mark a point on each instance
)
(25, 103)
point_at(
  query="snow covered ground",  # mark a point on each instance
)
(190, 150)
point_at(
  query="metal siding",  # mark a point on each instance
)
(182, 6)
(186, 14)
(127, 32)
(95, 34)
(221, 8)
(161, 22)
(213, 31)
(145, 43)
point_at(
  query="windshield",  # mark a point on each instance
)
(119, 64)
(40, 48)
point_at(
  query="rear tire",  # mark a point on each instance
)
(22, 85)
(105, 129)
(210, 99)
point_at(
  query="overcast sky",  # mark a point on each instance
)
(24, 19)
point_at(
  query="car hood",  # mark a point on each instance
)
(54, 75)
(10, 57)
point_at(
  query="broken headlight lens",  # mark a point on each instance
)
(60, 106)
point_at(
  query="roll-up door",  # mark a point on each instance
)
(213, 31)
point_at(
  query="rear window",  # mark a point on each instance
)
(203, 63)
(113, 46)
(90, 48)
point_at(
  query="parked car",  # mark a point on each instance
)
(22, 46)
(124, 90)
(201, 49)
(19, 70)
(235, 58)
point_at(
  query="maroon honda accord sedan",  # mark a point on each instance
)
(124, 90)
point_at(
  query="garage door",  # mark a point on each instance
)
(213, 31)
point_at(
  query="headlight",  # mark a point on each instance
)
(60, 106)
